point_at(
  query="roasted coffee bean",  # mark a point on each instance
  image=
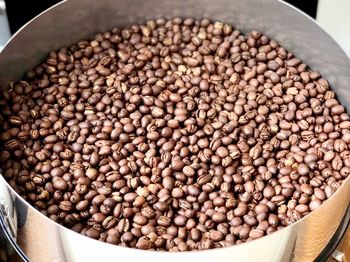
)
(174, 135)
(65, 206)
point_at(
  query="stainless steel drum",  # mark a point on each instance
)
(40, 239)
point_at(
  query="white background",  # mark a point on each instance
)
(334, 17)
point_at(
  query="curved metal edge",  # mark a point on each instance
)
(30, 21)
(5, 83)
(313, 20)
(4, 228)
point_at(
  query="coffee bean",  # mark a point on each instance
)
(314, 204)
(144, 244)
(337, 163)
(261, 208)
(177, 165)
(65, 206)
(219, 217)
(130, 197)
(93, 233)
(222, 152)
(59, 184)
(188, 171)
(177, 193)
(306, 188)
(168, 182)
(164, 221)
(180, 221)
(193, 190)
(273, 220)
(140, 220)
(303, 169)
(302, 208)
(256, 233)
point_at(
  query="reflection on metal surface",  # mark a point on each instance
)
(4, 25)
(8, 225)
(8, 219)
(43, 240)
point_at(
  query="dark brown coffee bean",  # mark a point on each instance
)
(93, 233)
(59, 184)
(177, 165)
(140, 220)
(65, 206)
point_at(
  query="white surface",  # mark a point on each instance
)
(4, 26)
(333, 16)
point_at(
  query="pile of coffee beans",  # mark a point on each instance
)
(174, 135)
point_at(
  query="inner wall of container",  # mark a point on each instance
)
(73, 20)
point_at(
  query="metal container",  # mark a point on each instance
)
(40, 239)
